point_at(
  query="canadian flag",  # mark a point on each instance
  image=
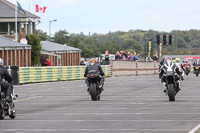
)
(40, 9)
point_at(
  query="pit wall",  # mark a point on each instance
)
(134, 68)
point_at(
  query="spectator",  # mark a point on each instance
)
(117, 56)
(133, 57)
(48, 63)
(129, 57)
(137, 57)
(148, 58)
(155, 57)
(122, 55)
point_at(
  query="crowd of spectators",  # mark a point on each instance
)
(129, 56)
(122, 55)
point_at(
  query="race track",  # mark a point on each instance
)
(132, 104)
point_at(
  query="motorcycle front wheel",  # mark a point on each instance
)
(2, 112)
(13, 111)
(171, 92)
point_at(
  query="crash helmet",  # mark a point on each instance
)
(178, 60)
(173, 60)
(93, 60)
(186, 61)
(168, 61)
(1, 61)
(168, 58)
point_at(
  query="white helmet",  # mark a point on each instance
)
(1, 61)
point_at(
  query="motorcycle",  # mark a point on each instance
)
(7, 109)
(172, 88)
(187, 70)
(94, 89)
(197, 70)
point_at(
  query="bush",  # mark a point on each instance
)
(34, 41)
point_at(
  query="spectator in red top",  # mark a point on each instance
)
(48, 63)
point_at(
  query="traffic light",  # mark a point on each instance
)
(158, 39)
(164, 39)
(170, 39)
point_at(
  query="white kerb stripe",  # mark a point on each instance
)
(195, 129)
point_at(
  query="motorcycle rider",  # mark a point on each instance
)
(180, 66)
(186, 64)
(163, 70)
(197, 62)
(94, 66)
(5, 86)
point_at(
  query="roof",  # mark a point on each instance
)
(7, 10)
(54, 47)
(7, 42)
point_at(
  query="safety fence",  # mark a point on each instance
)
(43, 74)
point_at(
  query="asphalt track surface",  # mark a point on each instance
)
(133, 104)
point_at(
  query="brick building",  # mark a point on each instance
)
(60, 54)
(14, 53)
(26, 23)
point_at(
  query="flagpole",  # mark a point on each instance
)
(16, 22)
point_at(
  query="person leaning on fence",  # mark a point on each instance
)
(148, 58)
(117, 56)
(48, 63)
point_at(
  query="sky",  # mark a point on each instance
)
(104, 16)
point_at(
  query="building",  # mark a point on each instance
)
(14, 53)
(60, 55)
(26, 23)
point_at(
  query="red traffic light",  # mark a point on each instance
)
(158, 39)
(170, 39)
(164, 39)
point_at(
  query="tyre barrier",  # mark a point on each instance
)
(44, 74)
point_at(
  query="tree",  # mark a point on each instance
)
(42, 35)
(132, 44)
(181, 43)
(61, 37)
(34, 41)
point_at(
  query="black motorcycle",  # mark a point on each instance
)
(187, 70)
(7, 109)
(172, 88)
(94, 89)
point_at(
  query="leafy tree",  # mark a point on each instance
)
(132, 44)
(42, 35)
(181, 43)
(61, 37)
(34, 41)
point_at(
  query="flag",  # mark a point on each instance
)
(40, 9)
(20, 8)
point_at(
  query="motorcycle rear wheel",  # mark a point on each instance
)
(197, 73)
(171, 92)
(93, 91)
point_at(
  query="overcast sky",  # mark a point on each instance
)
(102, 16)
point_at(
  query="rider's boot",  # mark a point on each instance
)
(164, 86)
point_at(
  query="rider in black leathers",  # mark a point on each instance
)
(94, 67)
(197, 62)
(162, 74)
(5, 86)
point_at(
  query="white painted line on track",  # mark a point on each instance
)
(103, 120)
(114, 114)
(56, 130)
(195, 129)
